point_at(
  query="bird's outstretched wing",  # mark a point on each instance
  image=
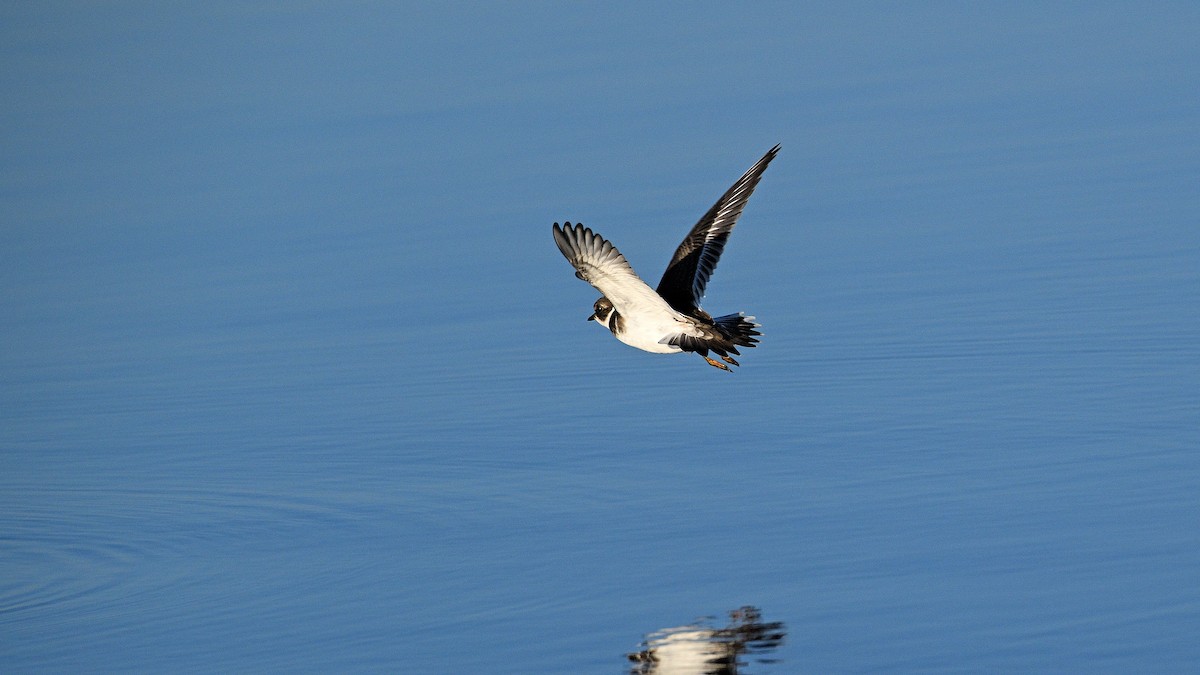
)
(683, 284)
(599, 263)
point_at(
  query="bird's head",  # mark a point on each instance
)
(603, 311)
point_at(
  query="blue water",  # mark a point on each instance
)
(292, 377)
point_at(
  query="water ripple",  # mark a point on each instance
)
(65, 550)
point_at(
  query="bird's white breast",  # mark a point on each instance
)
(648, 330)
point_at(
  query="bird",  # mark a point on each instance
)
(668, 319)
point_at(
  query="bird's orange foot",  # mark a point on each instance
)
(730, 361)
(715, 364)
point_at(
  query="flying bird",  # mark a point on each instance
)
(668, 319)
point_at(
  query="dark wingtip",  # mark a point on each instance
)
(561, 240)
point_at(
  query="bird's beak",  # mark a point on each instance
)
(592, 317)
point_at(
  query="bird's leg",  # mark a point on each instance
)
(714, 364)
(730, 361)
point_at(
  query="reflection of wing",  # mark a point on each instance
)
(683, 284)
(599, 263)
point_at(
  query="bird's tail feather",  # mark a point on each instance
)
(739, 328)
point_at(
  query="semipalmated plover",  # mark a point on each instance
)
(668, 320)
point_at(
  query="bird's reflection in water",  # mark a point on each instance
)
(699, 649)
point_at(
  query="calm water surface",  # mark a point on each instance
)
(294, 379)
